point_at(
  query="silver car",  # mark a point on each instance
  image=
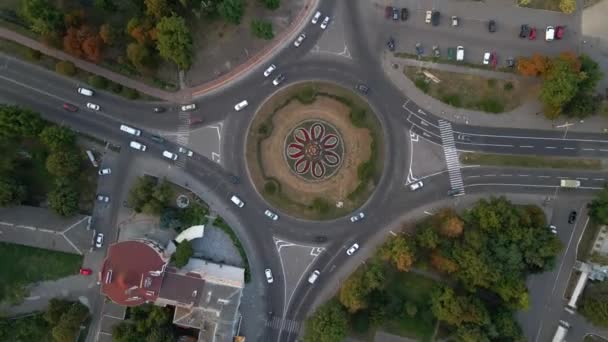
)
(357, 217)
(299, 41)
(352, 249)
(271, 215)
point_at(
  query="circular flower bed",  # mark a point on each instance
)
(314, 150)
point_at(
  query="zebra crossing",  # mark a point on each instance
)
(290, 326)
(183, 134)
(451, 155)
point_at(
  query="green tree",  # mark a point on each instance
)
(427, 237)
(58, 137)
(63, 163)
(157, 8)
(193, 215)
(598, 208)
(506, 326)
(471, 333)
(68, 327)
(65, 68)
(16, 122)
(594, 304)
(98, 81)
(140, 56)
(64, 197)
(57, 307)
(148, 196)
(272, 4)
(456, 310)
(106, 5)
(560, 84)
(10, 192)
(328, 324)
(592, 74)
(147, 323)
(174, 41)
(582, 105)
(182, 254)
(42, 16)
(567, 6)
(353, 292)
(231, 10)
(262, 29)
(410, 309)
(399, 251)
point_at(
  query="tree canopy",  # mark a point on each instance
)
(149, 196)
(147, 323)
(400, 251)
(594, 304)
(182, 254)
(598, 208)
(328, 324)
(174, 41)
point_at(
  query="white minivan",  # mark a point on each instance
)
(549, 33)
(85, 92)
(169, 155)
(137, 146)
(460, 53)
(130, 130)
(237, 201)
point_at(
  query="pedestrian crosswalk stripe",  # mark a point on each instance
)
(289, 325)
(451, 156)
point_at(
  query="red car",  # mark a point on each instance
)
(559, 32)
(86, 271)
(70, 107)
(388, 12)
(493, 59)
(532, 33)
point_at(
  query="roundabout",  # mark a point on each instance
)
(313, 151)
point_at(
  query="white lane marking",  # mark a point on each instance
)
(496, 145)
(526, 146)
(490, 175)
(504, 175)
(544, 176)
(523, 175)
(532, 185)
(588, 149)
(598, 179)
(603, 150)
(475, 176)
(550, 147)
(582, 178)
(532, 138)
(569, 148)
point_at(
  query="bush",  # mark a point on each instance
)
(365, 171)
(221, 224)
(360, 322)
(452, 99)
(262, 29)
(264, 130)
(129, 93)
(271, 4)
(422, 84)
(567, 6)
(33, 55)
(508, 86)
(270, 188)
(320, 205)
(115, 87)
(307, 95)
(491, 105)
(65, 68)
(98, 82)
(357, 117)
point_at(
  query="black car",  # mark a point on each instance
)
(404, 14)
(492, 26)
(572, 217)
(362, 88)
(390, 44)
(524, 31)
(157, 139)
(419, 49)
(159, 109)
(510, 62)
(395, 13)
(435, 18)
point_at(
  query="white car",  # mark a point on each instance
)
(103, 198)
(454, 20)
(313, 276)
(278, 80)
(137, 146)
(269, 70)
(460, 53)
(185, 151)
(299, 41)
(325, 23)
(549, 33)
(352, 249)
(85, 92)
(189, 107)
(271, 215)
(237, 201)
(99, 240)
(553, 229)
(268, 274)
(170, 155)
(416, 186)
(105, 171)
(316, 17)
(357, 217)
(92, 106)
(241, 105)
(427, 19)
(486, 58)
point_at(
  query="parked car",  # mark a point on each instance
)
(237, 201)
(486, 58)
(492, 26)
(352, 249)
(460, 53)
(299, 40)
(239, 106)
(103, 198)
(313, 276)
(416, 186)
(93, 106)
(524, 31)
(105, 171)
(188, 107)
(395, 13)
(427, 18)
(137, 146)
(170, 155)
(99, 240)
(549, 33)
(404, 14)
(451, 53)
(435, 18)
(362, 88)
(157, 139)
(454, 20)
(269, 70)
(390, 44)
(572, 217)
(358, 217)
(85, 92)
(86, 271)
(70, 107)
(532, 33)
(325, 23)
(315, 18)
(159, 109)
(271, 215)
(553, 229)
(278, 80)
(453, 192)
(185, 151)
(436, 51)
(511, 62)
(559, 32)
(388, 12)
(419, 49)
(268, 274)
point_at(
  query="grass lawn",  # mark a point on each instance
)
(30, 328)
(584, 247)
(594, 338)
(471, 91)
(473, 158)
(23, 265)
(32, 172)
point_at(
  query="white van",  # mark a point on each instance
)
(549, 33)
(459, 53)
(137, 146)
(237, 201)
(169, 155)
(130, 130)
(85, 92)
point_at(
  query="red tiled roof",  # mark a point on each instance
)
(132, 273)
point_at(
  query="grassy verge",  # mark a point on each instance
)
(549, 5)
(594, 338)
(586, 243)
(470, 91)
(221, 224)
(474, 158)
(23, 265)
(444, 60)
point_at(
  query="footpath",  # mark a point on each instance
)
(527, 116)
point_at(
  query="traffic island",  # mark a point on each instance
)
(313, 151)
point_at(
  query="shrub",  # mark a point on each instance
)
(491, 105)
(365, 171)
(307, 95)
(262, 29)
(263, 129)
(567, 6)
(357, 116)
(320, 205)
(360, 322)
(508, 86)
(33, 55)
(452, 99)
(422, 84)
(115, 87)
(98, 81)
(270, 187)
(271, 4)
(129, 93)
(65, 68)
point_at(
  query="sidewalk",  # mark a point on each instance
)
(524, 117)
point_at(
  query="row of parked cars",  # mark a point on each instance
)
(551, 33)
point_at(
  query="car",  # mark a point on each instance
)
(559, 32)
(159, 109)
(324, 23)
(486, 58)
(269, 70)
(388, 12)
(435, 18)
(463, 137)
(453, 192)
(549, 33)
(404, 14)
(390, 44)
(553, 229)
(524, 30)
(86, 271)
(99, 240)
(299, 41)
(85, 92)
(511, 62)
(137, 146)
(239, 106)
(105, 171)
(237, 201)
(185, 151)
(493, 59)
(130, 130)
(70, 107)
(454, 20)
(436, 51)
(188, 107)
(278, 80)
(315, 18)
(313, 276)
(419, 49)
(92, 106)
(268, 274)
(572, 217)
(492, 26)
(169, 155)
(532, 35)
(427, 18)
(352, 249)
(271, 215)
(103, 198)
(395, 13)
(357, 217)
(362, 88)
(451, 53)
(459, 53)
(157, 138)
(416, 186)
